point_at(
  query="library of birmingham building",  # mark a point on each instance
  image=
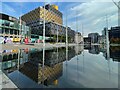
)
(31, 25)
(53, 24)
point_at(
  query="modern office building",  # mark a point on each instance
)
(10, 28)
(114, 35)
(94, 37)
(53, 23)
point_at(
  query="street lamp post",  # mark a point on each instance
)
(118, 6)
(66, 31)
(20, 32)
(77, 28)
(82, 32)
(44, 27)
(44, 38)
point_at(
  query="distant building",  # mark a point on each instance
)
(101, 39)
(114, 35)
(104, 35)
(78, 38)
(87, 40)
(94, 37)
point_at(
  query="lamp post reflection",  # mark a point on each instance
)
(18, 64)
(83, 58)
(77, 65)
(66, 59)
(107, 45)
(43, 61)
(108, 58)
(43, 46)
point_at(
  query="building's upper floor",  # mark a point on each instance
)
(9, 22)
(53, 9)
(36, 16)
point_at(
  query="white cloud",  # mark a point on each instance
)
(93, 15)
(7, 9)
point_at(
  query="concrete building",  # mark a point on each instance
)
(78, 38)
(94, 37)
(10, 28)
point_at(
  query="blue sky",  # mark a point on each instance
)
(91, 14)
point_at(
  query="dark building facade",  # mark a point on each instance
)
(115, 53)
(114, 35)
(53, 29)
(87, 40)
(94, 37)
(94, 49)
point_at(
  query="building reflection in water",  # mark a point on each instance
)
(115, 53)
(112, 52)
(30, 61)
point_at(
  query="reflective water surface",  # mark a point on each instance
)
(65, 67)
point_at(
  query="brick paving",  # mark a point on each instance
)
(40, 45)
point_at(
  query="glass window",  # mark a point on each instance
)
(11, 31)
(23, 27)
(0, 22)
(3, 30)
(7, 23)
(3, 22)
(16, 25)
(6, 31)
(0, 30)
(15, 32)
(11, 24)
